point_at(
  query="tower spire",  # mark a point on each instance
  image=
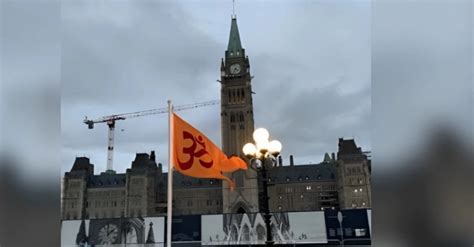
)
(234, 48)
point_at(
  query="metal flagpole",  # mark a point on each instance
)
(170, 175)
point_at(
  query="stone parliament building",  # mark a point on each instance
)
(339, 181)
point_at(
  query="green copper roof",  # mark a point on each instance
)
(234, 45)
(327, 158)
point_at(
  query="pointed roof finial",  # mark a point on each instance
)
(233, 8)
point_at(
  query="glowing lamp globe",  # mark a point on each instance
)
(274, 147)
(260, 135)
(249, 149)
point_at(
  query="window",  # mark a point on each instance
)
(280, 197)
(308, 187)
(301, 196)
(348, 232)
(279, 207)
(287, 179)
(300, 179)
(360, 232)
(306, 178)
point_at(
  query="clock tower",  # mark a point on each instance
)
(237, 123)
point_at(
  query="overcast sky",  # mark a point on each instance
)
(310, 59)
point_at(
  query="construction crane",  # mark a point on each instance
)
(111, 119)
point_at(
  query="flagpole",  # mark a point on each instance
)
(170, 175)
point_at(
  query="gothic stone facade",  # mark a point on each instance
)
(141, 191)
(237, 122)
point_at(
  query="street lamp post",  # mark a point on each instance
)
(263, 150)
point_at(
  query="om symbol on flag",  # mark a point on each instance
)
(194, 152)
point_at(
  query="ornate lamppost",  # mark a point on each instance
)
(262, 154)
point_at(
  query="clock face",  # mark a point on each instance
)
(108, 234)
(235, 68)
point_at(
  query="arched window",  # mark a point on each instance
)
(261, 233)
(243, 94)
(232, 117)
(245, 234)
(241, 116)
(230, 99)
(234, 234)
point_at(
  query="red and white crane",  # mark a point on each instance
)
(110, 121)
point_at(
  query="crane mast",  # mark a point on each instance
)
(111, 119)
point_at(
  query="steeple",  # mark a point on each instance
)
(151, 236)
(234, 48)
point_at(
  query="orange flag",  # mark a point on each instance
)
(195, 155)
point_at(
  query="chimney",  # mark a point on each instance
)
(280, 161)
(333, 156)
(291, 161)
(160, 167)
(152, 155)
